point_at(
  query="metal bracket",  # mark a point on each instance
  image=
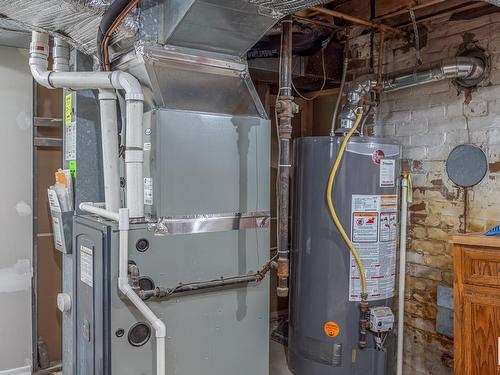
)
(169, 226)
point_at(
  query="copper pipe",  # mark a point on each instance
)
(357, 20)
(111, 30)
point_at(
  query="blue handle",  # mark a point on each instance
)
(493, 231)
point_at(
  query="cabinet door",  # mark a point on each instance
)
(481, 331)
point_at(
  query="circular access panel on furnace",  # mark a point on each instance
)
(466, 165)
(139, 334)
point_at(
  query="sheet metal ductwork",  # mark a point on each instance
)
(222, 22)
(465, 69)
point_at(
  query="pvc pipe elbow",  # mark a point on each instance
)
(160, 328)
(40, 74)
(125, 81)
(123, 285)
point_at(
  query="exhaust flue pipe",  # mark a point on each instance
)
(461, 67)
(114, 80)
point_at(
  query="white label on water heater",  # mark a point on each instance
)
(387, 172)
(87, 265)
(374, 235)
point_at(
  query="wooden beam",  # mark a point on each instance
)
(407, 9)
(317, 94)
(320, 23)
(357, 20)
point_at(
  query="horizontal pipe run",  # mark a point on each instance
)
(160, 292)
(92, 209)
(461, 67)
(115, 80)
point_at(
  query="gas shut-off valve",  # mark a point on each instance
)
(381, 324)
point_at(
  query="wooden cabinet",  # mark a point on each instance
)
(477, 304)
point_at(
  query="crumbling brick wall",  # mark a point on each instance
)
(430, 121)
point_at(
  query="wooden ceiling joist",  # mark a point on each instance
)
(356, 20)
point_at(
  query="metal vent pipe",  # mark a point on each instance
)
(463, 68)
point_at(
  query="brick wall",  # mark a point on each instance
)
(430, 121)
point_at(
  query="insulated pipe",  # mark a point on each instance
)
(402, 274)
(126, 289)
(110, 159)
(460, 67)
(39, 52)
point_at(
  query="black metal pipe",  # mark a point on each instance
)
(160, 292)
(285, 108)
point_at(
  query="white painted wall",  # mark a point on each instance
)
(15, 211)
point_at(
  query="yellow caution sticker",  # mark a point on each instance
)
(68, 109)
(331, 329)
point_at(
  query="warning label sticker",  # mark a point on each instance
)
(331, 329)
(387, 172)
(374, 235)
(87, 265)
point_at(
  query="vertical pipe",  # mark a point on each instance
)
(402, 273)
(60, 54)
(285, 108)
(134, 159)
(342, 85)
(109, 134)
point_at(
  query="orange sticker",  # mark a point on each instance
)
(332, 329)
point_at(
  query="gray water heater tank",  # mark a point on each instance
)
(325, 295)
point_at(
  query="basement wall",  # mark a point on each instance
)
(430, 121)
(16, 220)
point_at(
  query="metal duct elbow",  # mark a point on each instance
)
(348, 114)
(467, 70)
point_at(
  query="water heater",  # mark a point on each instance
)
(326, 287)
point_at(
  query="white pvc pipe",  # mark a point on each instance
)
(134, 158)
(126, 289)
(123, 219)
(90, 208)
(110, 159)
(119, 80)
(402, 274)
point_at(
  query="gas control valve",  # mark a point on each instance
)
(381, 319)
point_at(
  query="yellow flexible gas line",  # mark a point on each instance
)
(331, 180)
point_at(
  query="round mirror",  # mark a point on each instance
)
(466, 165)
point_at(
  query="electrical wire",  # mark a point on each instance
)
(333, 213)
(324, 80)
(417, 37)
